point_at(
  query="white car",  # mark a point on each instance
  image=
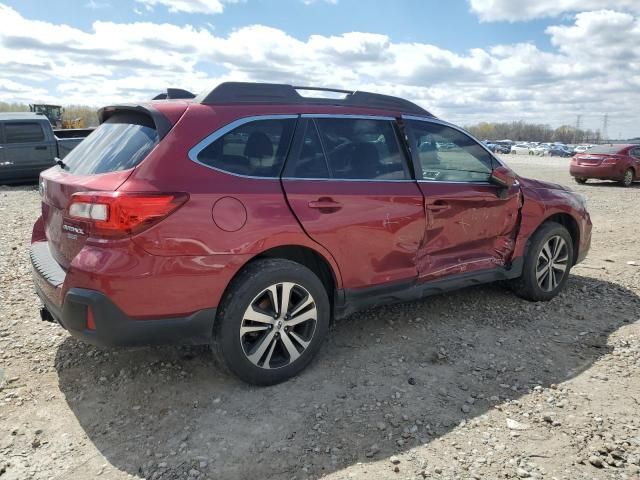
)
(521, 149)
(581, 148)
(542, 149)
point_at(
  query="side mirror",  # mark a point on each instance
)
(503, 177)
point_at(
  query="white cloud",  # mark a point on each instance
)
(519, 10)
(209, 7)
(593, 69)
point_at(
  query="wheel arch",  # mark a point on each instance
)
(571, 224)
(304, 255)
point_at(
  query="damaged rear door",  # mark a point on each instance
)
(471, 223)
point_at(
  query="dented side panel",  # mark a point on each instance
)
(470, 227)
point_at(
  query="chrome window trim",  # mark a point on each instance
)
(350, 180)
(347, 116)
(455, 127)
(482, 184)
(212, 137)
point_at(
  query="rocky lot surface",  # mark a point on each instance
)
(474, 384)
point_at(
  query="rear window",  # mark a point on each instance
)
(120, 143)
(604, 149)
(23, 132)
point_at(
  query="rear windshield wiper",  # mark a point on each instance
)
(60, 163)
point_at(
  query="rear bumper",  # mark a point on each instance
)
(600, 172)
(112, 326)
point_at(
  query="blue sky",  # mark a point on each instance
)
(543, 61)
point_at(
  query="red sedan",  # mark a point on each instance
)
(620, 163)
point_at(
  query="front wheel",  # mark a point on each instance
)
(547, 263)
(580, 180)
(271, 322)
(627, 180)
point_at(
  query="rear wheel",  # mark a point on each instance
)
(271, 322)
(627, 180)
(547, 263)
(580, 180)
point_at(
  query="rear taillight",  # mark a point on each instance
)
(118, 214)
(610, 161)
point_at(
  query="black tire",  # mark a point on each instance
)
(527, 285)
(628, 178)
(230, 348)
(580, 180)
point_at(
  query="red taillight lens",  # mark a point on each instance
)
(118, 214)
(91, 323)
(610, 161)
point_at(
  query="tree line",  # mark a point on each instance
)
(521, 131)
(88, 115)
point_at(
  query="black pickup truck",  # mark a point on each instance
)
(29, 145)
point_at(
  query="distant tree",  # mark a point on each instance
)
(13, 107)
(88, 115)
(532, 132)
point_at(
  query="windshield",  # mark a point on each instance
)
(120, 143)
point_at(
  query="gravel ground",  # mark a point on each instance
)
(474, 384)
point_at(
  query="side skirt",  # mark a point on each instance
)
(350, 301)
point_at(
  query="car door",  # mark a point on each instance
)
(27, 147)
(348, 181)
(4, 166)
(471, 223)
(635, 157)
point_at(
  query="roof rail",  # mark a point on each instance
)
(174, 94)
(229, 93)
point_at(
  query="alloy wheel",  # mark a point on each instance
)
(553, 263)
(628, 178)
(278, 325)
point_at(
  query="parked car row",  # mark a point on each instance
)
(536, 148)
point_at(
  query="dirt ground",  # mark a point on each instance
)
(474, 384)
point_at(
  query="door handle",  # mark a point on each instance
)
(326, 204)
(42, 147)
(438, 206)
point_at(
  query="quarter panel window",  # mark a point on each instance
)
(448, 155)
(23, 132)
(256, 149)
(362, 149)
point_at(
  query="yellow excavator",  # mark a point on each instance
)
(54, 114)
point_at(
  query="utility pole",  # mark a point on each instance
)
(605, 126)
(578, 125)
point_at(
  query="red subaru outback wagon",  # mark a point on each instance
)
(250, 216)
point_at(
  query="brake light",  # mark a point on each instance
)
(118, 214)
(91, 323)
(610, 161)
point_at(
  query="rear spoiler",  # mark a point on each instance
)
(162, 123)
(175, 94)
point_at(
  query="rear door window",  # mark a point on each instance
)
(23, 132)
(256, 148)
(362, 149)
(120, 143)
